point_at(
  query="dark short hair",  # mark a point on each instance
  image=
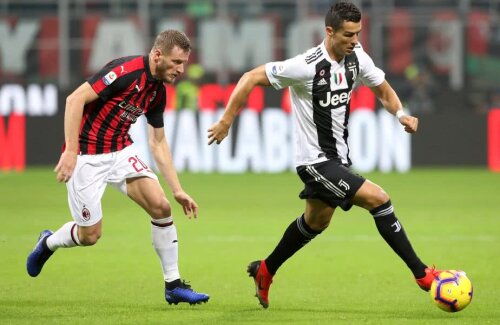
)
(166, 40)
(340, 12)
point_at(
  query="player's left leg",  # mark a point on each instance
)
(148, 193)
(373, 198)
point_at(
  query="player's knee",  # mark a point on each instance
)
(161, 209)
(319, 225)
(89, 236)
(89, 239)
(380, 197)
(319, 222)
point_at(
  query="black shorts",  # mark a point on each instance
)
(330, 182)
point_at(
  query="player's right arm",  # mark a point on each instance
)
(239, 96)
(73, 113)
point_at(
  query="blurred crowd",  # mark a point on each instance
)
(427, 80)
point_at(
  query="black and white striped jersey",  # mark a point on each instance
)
(320, 90)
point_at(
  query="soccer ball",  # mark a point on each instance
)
(451, 290)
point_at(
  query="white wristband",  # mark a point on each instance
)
(400, 113)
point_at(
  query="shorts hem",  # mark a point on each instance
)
(89, 223)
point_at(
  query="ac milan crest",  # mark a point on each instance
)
(85, 214)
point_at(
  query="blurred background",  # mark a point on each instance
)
(441, 56)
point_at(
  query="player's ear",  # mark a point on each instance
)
(156, 55)
(329, 30)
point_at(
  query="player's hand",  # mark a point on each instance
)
(189, 206)
(66, 166)
(409, 122)
(218, 132)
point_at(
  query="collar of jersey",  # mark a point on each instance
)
(148, 69)
(327, 56)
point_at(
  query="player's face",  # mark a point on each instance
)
(171, 65)
(343, 40)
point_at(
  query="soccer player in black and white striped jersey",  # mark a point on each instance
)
(99, 151)
(320, 82)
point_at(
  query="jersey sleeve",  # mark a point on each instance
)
(110, 80)
(155, 115)
(370, 75)
(282, 74)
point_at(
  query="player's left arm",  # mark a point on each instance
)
(163, 158)
(390, 100)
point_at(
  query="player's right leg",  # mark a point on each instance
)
(39, 255)
(326, 185)
(262, 279)
(316, 218)
(85, 189)
(69, 235)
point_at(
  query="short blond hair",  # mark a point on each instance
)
(166, 40)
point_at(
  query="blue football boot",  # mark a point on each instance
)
(184, 293)
(39, 255)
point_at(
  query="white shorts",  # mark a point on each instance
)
(91, 175)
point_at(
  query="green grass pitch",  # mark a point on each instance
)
(347, 274)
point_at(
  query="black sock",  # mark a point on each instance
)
(393, 233)
(172, 285)
(296, 235)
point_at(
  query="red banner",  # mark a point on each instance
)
(494, 140)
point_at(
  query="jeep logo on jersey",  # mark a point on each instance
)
(335, 99)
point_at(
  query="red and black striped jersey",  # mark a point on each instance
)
(126, 90)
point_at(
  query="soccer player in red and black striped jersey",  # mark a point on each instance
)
(99, 151)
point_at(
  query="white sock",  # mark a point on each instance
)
(164, 235)
(66, 236)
